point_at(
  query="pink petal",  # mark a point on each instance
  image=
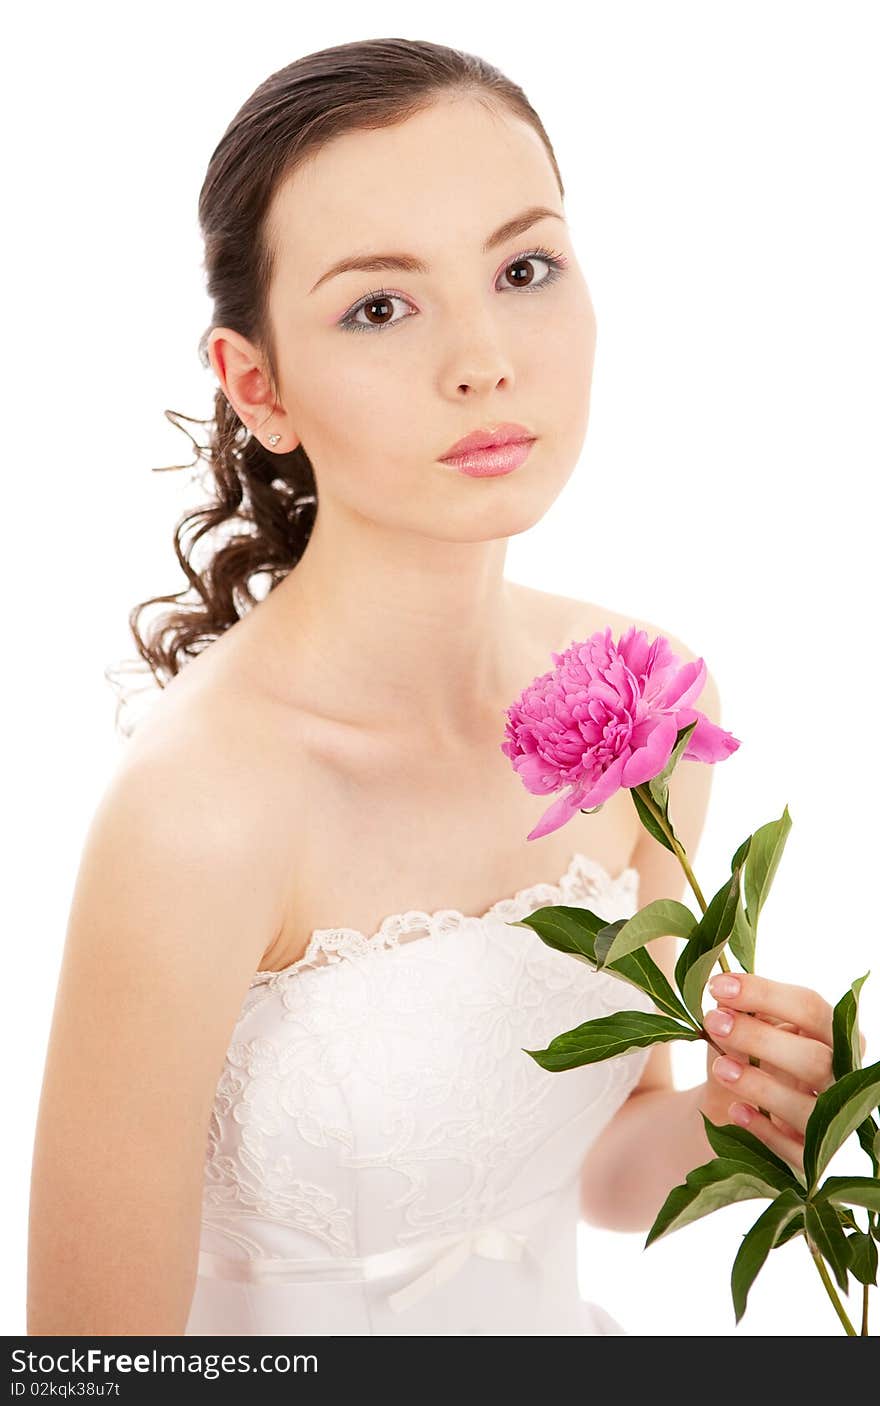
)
(536, 774)
(557, 815)
(687, 685)
(605, 787)
(647, 761)
(708, 742)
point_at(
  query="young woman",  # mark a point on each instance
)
(286, 1088)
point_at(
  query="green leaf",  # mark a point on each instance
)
(640, 969)
(605, 939)
(765, 852)
(647, 819)
(566, 928)
(826, 1233)
(742, 935)
(609, 1036)
(573, 930)
(848, 1056)
(737, 1144)
(863, 1257)
(742, 939)
(845, 1028)
(709, 937)
(794, 1227)
(662, 918)
(866, 1133)
(836, 1113)
(850, 1191)
(706, 1189)
(758, 1242)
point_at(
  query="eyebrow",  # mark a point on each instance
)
(375, 263)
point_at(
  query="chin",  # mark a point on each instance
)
(507, 519)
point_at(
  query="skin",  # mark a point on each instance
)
(375, 673)
(789, 1029)
(423, 590)
(439, 629)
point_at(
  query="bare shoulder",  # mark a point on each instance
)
(217, 760)
(175, 900)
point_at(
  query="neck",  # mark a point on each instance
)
(391, 631)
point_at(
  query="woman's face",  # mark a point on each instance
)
(377, 389)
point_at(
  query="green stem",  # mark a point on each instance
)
(832, 1293)
(680, 855)
(872, 1221)
(682, 858)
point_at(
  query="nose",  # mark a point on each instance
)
(479, 363)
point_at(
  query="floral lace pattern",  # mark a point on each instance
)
(376, 1092)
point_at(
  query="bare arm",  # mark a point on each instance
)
(172, 910)
(649, 1147)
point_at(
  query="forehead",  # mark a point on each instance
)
(452, 172)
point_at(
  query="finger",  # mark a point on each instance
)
(785, 1078)
(807, 1059)
(775, 1118)
(786, 1128)
(798, 1004)
(790, 1149)
(757, 1087)
(722, 1093)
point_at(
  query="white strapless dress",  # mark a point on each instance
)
(383, 1157)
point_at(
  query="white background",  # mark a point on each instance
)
(720, 164)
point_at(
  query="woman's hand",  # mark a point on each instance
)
(788, 1028)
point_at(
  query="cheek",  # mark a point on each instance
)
(350, 402)
(566, 370)
(579, 333)
(565, 345)
(361, 427)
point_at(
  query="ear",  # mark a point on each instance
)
(244, 379)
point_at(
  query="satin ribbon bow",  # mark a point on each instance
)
(450, 1252)
(492, 1242)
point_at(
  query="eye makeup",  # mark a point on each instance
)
(556, 264)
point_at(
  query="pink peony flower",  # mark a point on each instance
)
(607, 717)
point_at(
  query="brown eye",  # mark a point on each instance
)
(378, 310)
(523, 270)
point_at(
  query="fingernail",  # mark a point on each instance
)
(724, 985)
(726, 1069)
(740, 1113)
(719, 1022)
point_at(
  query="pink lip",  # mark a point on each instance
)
(500, 459)
(488, 439)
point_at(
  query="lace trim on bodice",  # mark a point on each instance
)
(584, 878)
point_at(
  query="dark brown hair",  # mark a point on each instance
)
(263, 504)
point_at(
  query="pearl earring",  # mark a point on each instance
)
(274, 438)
